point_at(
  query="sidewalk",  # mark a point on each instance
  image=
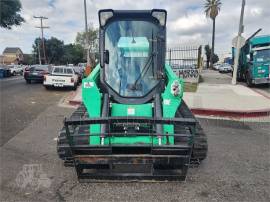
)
(227, 100)
(76, 98)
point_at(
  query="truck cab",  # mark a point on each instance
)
(254, 61)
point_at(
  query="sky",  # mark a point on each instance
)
(186, 22)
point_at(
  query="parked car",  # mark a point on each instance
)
(216, 66)
(16, 69)
(224, 68)
(35, 73)
(61, 76)
(80, 72)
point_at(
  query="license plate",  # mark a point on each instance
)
(34, 73)
(58, 85)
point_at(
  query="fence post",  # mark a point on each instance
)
(199, 57)
(170, 56)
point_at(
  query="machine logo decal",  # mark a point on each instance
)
(88, 84)
(167, 102)
(131, 111)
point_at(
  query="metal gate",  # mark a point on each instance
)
(185, 61)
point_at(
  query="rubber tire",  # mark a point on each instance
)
(75, 87)
(47, 87)
(239, 77)
(248, 80)
(28, 81)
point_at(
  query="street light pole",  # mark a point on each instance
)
(238, 44)
(86, 35)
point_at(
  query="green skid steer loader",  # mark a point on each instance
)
(133, 123)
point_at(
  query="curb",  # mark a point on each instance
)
(262, 94)
(231, 113)
(74, 102)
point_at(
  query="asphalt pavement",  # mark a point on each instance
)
(237, 167)
(21, 103)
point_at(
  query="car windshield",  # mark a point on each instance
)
(131, 71)
(262, 55)
(62, 70)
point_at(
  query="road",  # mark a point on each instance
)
(21, 103)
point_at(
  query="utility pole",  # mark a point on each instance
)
(87, 37)
(42, 36)
(238, 43)
(39, 58)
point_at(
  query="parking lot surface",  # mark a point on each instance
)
(237, 167)
(21, 103)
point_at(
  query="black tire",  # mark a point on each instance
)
(28, 81)
(200, 144)
(47, 87)
(75, 87)
(248, 80)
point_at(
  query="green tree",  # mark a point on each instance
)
(73, 54)
(215, 58)
(208, 52)
(9, 13)
(28, 59)
(57, 52)
(93, 42)
(54, 50)
(212, 9)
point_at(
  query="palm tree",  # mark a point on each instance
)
(212, 8)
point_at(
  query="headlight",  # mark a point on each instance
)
(104, 15)
(161, 15)
(176, 88)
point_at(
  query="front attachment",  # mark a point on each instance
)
(140, 161)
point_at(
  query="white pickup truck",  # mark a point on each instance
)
(61, 76)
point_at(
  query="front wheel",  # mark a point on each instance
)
(74, 87)
(47, 87)
(249, 80)
(28, 81)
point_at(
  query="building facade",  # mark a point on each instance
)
(12, 55)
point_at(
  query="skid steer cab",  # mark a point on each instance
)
(133, 123)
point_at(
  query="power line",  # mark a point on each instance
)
(41, 27)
